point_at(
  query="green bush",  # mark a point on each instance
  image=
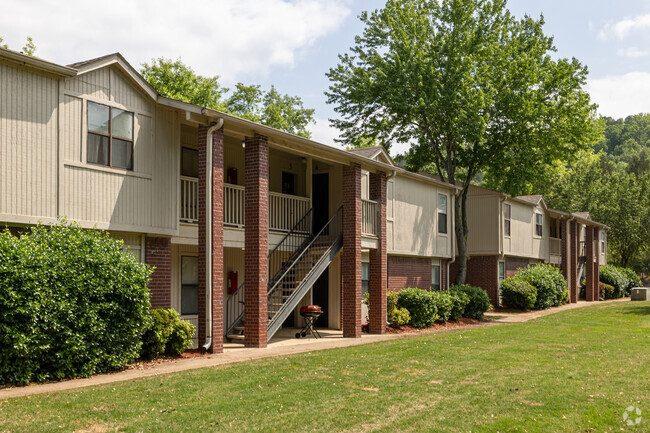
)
(548, 281)
(72, 303)
(518, 294)
(607, 291)
(479, 302)
(633, 280)
(168, 334)
(396, 316)
(420, 305)
(444, 305)
(460, 301)
(614, 276)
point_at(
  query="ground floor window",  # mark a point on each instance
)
(502, 271)
(435, 277)
(365, 278)
(189, 285)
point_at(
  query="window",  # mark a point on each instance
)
(502, 272)
(602, 242)
(288, 183)
(506, 219)
(189, 162)
(539, 224)
(365, 278)
(110, 136)
(189, 285)
(442, 213)
(435, 277)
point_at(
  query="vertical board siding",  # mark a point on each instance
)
(71, 117)
(95, 84)
(28, 150)
(125, 94)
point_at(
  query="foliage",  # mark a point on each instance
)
(606, 291)
(72, 303)
(396, 316)
(420, 305)
(479, 302)
(612, 275)
(174, 79)
(470, 87)
(633, 279)
(548, 281)
(518, 294)
(460, 301)
(29, 47)
(168, 334)
(3, 45)
(444, 305)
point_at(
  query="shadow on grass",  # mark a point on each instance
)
(641, 310)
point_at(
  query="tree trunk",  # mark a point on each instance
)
(460, 228)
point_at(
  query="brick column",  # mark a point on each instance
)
(596, 243)
(378, 259)
(591, 294)
(158, 253)
(217, 239)
(564, 251)
(351, 259)
(574, 285)
(444, 278)
(256, 236)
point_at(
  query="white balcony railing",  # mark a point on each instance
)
(286, 210)
(555, 246)
(233, 208)
(369, 217)
(189, 200)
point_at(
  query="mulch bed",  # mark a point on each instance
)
(452, 324)
(142, 364)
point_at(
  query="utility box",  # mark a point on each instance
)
(640, 294)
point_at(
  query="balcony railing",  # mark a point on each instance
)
(286, 210)
(189, 200)
(555, 246)
(369, 218)
(233, 208)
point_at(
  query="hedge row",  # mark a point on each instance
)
(537, 287)
(621, 279)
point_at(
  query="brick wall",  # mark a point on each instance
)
(483, 272)
(351, 258)
(574, 284)
(513, 264)
(256, 241)
(378, 260)
(217, 239)
(591, 294)
(409, 272)
(158, 253)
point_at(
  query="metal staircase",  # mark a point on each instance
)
(295, 264)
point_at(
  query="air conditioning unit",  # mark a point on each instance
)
(640, 294)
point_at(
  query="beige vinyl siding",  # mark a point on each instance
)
(523, 241)
(483, 223)
(412, 219)
(144, 199)
(28, 145)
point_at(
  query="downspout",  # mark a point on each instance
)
(208, 233)
(453, 238)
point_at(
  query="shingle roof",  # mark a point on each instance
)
(367, 152)
(584, 215)
(85, 62)
(530, 198)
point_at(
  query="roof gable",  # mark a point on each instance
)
(378, 153)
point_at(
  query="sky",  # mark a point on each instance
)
(292, 44)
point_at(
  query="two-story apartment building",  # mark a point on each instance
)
(244, 223)
(507, 233)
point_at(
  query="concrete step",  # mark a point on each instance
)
(239, 337)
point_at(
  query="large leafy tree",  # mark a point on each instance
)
(176, 80)
(471, 88)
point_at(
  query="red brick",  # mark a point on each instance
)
(256, 241)
(158, 254)
(378, 260)
(406, 272)
(573, 283)
(592, 279)
(483, 272)
(351, 256)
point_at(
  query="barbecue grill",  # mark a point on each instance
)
(310, 314)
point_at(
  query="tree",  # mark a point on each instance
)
(471, 88)
(1, 44)
(29, 47)
(174, 79)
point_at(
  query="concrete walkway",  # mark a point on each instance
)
(284, 344)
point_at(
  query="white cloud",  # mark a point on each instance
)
(322, 132)
(236, 39)
(632, 52)
(624, 27)
(621, 95)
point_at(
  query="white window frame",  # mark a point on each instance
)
(445, 213)
(508, 220)
(540, 225)
(436, 266)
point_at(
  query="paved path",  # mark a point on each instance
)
(283, 346)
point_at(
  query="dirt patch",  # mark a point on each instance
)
(142, 364)
(452, 324)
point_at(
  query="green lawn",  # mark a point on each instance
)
(574, 371)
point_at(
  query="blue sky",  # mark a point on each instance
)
(293, 44)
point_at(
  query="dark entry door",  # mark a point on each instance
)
(320, 200)
(321, 297)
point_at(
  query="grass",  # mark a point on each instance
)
(574, 371)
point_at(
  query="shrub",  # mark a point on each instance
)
(72, 303)
(548, 281)
(606, 291)
(444, 305)
(633, 280)
(518, 294)
(479, 302)
(613, 276)
(460, 301)
(168, 334)
(396, 316)
(420, 305)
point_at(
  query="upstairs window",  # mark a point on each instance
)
(110, 136)
(506, 219)
(539, 224)
(602, 242)
(442, 213)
